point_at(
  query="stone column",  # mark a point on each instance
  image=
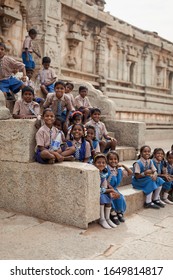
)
(45, 17)
(100, 46)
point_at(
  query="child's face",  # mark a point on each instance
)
(100, 164)
(83, 93)
(77, 132)
(27, 96)
(49, 118)
(59, 90)
(112, 160)
(159, 156)
(46, 65)
(2, 51)
(29, 73)
(170, 159)
(58, 124)
(33, 36)
(78, 120)
(68, 89)
(146, 153)
(90, 134)
(96, 116)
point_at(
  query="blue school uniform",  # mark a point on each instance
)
(30, 63)
(119, 204)
(94, 144)
(146, 184)
(12, 83)
(104, 197)
(159, 166)
(79, 153)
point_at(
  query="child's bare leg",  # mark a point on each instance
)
(45, 154)
(44, 90)
(102, 146)
(111, 144)
(68, 152)
(58, 157)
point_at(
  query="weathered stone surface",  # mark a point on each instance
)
(128, 133)
(4, 112)
(66, 193)
(17, 140)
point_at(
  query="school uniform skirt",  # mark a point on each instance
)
(105, 198)
(146, 184)
(119, 204)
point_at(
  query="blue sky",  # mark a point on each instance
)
(151, 15)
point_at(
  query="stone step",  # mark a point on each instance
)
(126, 153)
(134, 198)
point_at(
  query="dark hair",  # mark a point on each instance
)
(82, 88)
(83, 128)
(112, 152)
(156, 150)
(93, 128)
(27, 88)
(32, 32)
(95, 110)
(3, 45)
(47, 110)
(141, 150)
(169, 153)
(29, 69)
(59, 82)
(46, 59)
(70, 84)
(172, 147)
(99, 155)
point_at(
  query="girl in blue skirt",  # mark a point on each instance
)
(145, 178)
(106, 192)
(116, 172)
(158, 158)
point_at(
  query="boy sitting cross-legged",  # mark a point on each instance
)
(101, 131)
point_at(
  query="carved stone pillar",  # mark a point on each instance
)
(45, 17)
(100, 46)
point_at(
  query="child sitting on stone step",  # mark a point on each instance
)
(116, 172)
(49, 143)
(26, 108)
(82, 103)
(145, 178)
(101, 131)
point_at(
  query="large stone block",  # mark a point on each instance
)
(66, 193)
(17, 140)
(128, 133)
(4, 112)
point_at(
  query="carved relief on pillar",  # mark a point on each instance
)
(160, 65)
(74, 37)
(8, 16)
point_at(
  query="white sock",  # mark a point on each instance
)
(148, 197)
(102, 212)
(165, 195)
(156, 194)
(107, 216)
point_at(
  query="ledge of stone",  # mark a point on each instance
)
(66, 193)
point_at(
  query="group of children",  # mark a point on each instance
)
(69, 129)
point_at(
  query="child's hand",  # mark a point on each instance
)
(148, 172)
(154, 177)
(167, 177)
(114, 194)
